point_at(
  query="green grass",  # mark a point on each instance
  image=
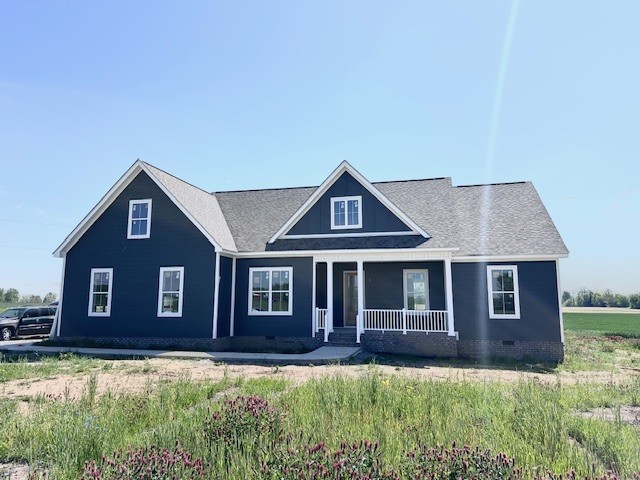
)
(609, 324)
(528, 420)
(17, 367)
(601, 341)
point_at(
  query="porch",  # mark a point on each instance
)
(405, 295)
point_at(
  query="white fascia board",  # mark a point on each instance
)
(507, 258)
(99, 209)
(108, 199)
(331, 179)
(371, 252)
(355, 234)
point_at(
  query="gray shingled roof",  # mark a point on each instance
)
(502, 219)
(254, 216)
(202, 206)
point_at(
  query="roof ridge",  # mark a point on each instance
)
(412, 180)
(262, 189)
(316, 186)
(492, 184)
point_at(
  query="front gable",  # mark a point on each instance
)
(347, 205)
(123, 183)
(373, 215)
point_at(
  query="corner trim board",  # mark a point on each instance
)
(216, 301)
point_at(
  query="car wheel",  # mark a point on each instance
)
(6, 334)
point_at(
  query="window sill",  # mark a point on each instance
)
(270, 314)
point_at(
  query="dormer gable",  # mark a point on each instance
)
(347, 205)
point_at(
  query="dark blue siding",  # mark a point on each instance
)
(385, 284)
(375, 216)
(539, 310)
(296, 325)
(321, 285)
(174, 241)
(224, 297)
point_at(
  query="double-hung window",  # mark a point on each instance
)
(416, 289)
(504, 295)
(139, 225)
(170, 291)
(100, 292)
(270, 290)
(346, 212)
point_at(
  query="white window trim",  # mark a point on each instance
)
(180, 293)
(346, 226)
(252, 312)
(130, 221)
(106, 313)
(404, 286)
(516, 292)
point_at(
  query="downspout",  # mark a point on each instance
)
(215, 298)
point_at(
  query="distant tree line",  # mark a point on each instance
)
(587, 298)
(11, 295)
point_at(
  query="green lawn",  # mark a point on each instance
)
(622, 324)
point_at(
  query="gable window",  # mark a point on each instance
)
(270, 290)
(170, 291)
(504, 295)
(346, 212)
(416, 289)
(139, 225)
(100, 292)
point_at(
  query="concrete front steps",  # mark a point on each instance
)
(343, 337)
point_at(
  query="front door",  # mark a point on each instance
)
(350, 298)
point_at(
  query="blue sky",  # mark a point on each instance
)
(234, 95)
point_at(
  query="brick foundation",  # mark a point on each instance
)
(413, 343)
(518, 350)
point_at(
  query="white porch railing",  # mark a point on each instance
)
(323, 320)
(405, 320)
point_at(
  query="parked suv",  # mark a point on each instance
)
(20, 321)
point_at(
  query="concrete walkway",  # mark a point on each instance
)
(325, 354)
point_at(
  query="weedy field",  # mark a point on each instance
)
(392, 418)
(602, 341)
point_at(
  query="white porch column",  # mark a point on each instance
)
(360, 323)
(449, 292)
(328, 322)
(314, 312)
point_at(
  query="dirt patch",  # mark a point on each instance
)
(14, 471)
(627, 414)
(134, 376)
